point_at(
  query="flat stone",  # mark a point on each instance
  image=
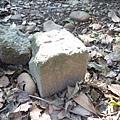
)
(50, 25)
(59, 59)
(79, 16)
(14, 49)
(16, 17)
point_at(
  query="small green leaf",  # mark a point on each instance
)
(69, 20)
(113, 103)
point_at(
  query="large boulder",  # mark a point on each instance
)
(14, 48)
(59, 59)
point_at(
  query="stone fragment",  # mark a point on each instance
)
(16, 17)
(25, 82)
(14, 49)
(30, 28)
(70, 27)
(79, 16)
(59, 59)
(50, 25)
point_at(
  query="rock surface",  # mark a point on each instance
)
(79, 16)
(59, 59)
(14, 49)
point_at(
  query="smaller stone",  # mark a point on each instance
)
(30, 28)
(16, 17)
(70, 27)
(84, 31)
(50, 25)
(26, 83)
(79, 16)
(21, 27)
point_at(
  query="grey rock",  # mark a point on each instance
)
(14, 49)
(21, 27)
(50, 25)
(73, 2)
(16, 17)
(79, 16)
(58, 59)
(70, 27)
(30, 28)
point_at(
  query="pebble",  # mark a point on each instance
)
(70, 27)
(50, 25)
(79, 16)
(30, 28)
(16, 17)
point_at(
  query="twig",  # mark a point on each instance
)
(40, 99)
(53, 104)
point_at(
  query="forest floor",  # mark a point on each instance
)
(98, 96)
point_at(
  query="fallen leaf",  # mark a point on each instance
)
(76, 90)
(107, 39)
(69, 20)
(44, 116)
(15, 116)
(80, 111)
(86, 38)
(57, 102)
(23, 107)
(91, 118)
(67, 104)
(22, 96)
(82, 100)
(61, 115)
(35, 114)
(113, 103)
(115, 88)
(50, 109)
(95, 26)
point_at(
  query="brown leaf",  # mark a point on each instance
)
(83, 100)
(95, 26)
(115, 88)
(15, 116)
(22, 96)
